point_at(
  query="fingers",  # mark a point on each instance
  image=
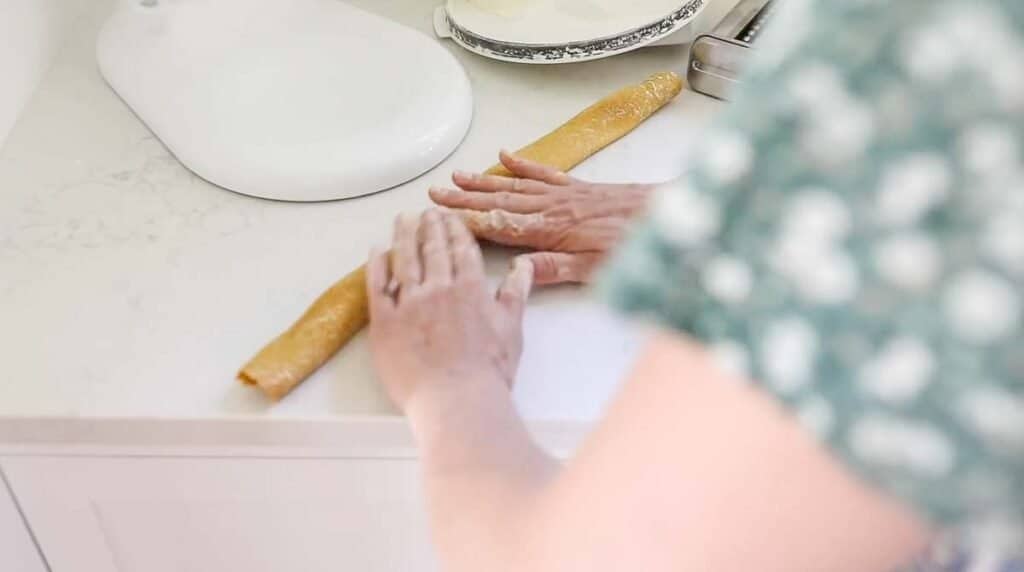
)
(437, 261)
(494, 184)
(405, 262)
(511, 202)
(528, 169)
(559, 267)
(503, 227)
(514, 291)
(378, 278)
(467, 260)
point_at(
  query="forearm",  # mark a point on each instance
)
(710, 474)
(482, 472)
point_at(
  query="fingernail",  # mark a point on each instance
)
(463, 175)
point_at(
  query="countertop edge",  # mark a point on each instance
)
(350, 437)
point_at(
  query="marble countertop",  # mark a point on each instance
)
(131, 288)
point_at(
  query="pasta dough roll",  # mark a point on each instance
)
(340, 312)
(332, 320)
(600, 125)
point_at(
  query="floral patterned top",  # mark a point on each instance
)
(852, 236)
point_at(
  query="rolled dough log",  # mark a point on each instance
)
(601, 124)
(332, 320)
(340, 312)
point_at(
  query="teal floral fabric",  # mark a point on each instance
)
(852, 237)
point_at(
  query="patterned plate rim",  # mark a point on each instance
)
(574, 51)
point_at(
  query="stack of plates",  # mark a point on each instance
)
(558, 31)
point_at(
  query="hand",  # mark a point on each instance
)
(435, 325)
(573, 223)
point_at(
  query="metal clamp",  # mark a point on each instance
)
(717, 59)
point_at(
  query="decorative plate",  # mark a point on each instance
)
(451, 23)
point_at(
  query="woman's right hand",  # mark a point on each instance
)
(573, 224)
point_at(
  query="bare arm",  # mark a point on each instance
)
(484, 476)
(446, 349)
(690, 469)
(694, 470)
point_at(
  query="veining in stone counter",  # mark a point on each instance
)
(131, 288)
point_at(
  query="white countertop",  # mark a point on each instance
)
(131, 288)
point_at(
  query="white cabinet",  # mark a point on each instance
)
(213, 515)
(17, 553)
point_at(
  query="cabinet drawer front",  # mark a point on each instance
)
(199, 515)
(16, 549)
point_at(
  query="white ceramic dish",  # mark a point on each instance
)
(301, 100)
(546, 32)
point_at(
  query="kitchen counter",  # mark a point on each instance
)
(130, 288)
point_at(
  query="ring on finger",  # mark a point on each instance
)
(393, 287)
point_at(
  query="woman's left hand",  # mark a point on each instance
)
(436, 325)
(573, 224)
